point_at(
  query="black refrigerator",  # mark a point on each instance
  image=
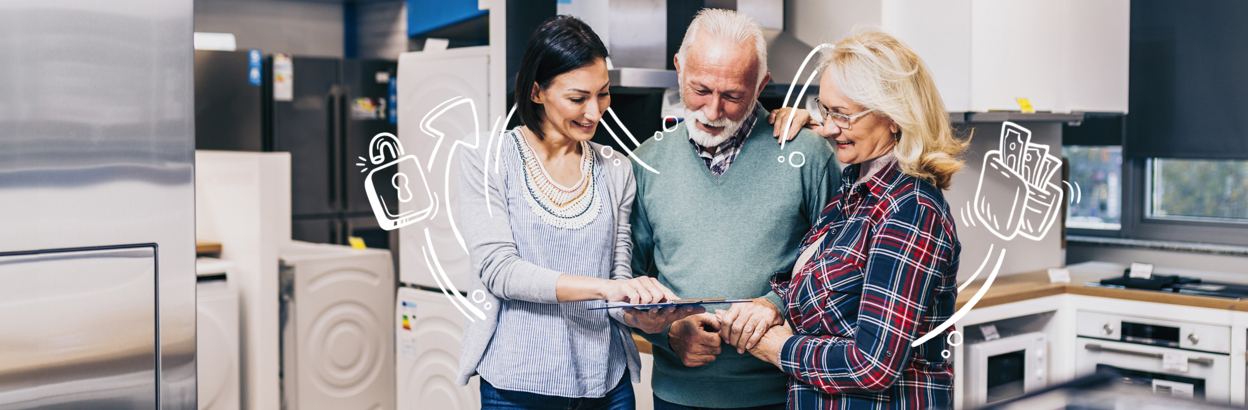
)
(229, 103)
(326, 117)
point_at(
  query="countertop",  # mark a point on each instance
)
(1035, 285)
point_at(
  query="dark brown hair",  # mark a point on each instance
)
(561, 44)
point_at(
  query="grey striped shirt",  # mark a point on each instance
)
(557, 349)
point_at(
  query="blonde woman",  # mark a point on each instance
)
(877, 270)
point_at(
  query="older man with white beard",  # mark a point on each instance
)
(727, 209)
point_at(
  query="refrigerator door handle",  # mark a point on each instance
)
(335, 117)
(344, 112)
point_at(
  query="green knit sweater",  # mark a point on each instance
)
(707, 236)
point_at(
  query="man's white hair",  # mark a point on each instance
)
(729, 26)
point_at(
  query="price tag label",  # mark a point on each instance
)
(990, 332)
(1141, 270)
(1174, 362)
(1059, 275)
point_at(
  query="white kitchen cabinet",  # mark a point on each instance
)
(1062, 55)
(1096, 41)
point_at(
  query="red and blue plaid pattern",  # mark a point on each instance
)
(884, 275)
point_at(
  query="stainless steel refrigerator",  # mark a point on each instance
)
(97, 207)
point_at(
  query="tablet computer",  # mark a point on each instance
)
(674, 303)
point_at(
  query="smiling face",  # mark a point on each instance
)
(869, 137)
(574, 102)
(718, 84)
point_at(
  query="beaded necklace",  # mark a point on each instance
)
(558, 206)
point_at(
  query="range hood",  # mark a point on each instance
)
(643, 35)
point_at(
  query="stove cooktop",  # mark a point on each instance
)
(1178, 284)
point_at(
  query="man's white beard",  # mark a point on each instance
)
(704, 138)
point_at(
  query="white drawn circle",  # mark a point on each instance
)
(945, 353)
(478, 296)
(617, 162)
(794, 162)
(658, 136)
(949, 338)
(487, 306)
(781, 159)
(607, 151)
(674, 120)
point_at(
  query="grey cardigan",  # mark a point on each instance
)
(501, 272)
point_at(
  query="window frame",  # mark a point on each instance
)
(1124, 213)
(1180, 229)
(1135, 223)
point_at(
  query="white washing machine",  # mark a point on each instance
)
(433, 91)
(337, 347)
(216, 335)
(428, 333)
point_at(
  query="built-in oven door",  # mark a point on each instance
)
(1207, 375)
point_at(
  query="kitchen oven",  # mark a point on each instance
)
(1006, 368)
(1170, 358)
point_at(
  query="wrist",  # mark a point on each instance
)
(603, 290)
(772, 347)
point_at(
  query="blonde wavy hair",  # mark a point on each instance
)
(879, 72)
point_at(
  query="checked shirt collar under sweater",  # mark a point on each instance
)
(727, 151)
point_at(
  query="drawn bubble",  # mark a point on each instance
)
(799, 161)
(617, 162)
(658, 136)
(950, 338)
(607, 151)
(781, 159)
(487, 306)
(675, 123)
(945, 353)
(478, 296)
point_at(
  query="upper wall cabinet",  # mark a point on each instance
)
(1062, 55)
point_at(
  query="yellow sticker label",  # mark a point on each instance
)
(1025, 105)
(356, 242)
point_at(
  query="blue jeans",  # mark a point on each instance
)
(619, 398)
(660, 404)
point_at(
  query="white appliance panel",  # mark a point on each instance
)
(217, 337)
(1214, 369)
(337, 315)
(428, 329)
(1035, 366)
(426, 81)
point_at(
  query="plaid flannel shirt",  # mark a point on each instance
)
(883, 277)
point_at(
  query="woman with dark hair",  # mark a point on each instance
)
(549, 237)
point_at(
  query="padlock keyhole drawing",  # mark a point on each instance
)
(402, 198)
(399, 182)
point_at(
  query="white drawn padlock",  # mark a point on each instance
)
(414, 199)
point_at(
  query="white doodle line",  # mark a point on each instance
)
(444, 282)
(789, 122)
(433, 115)
(969, 304)
(1074, 199)
(978, 271)
(630, 136)
(446, 177)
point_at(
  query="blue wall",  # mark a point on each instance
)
(424, 16)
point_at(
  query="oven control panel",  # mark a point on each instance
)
(1156, 332)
